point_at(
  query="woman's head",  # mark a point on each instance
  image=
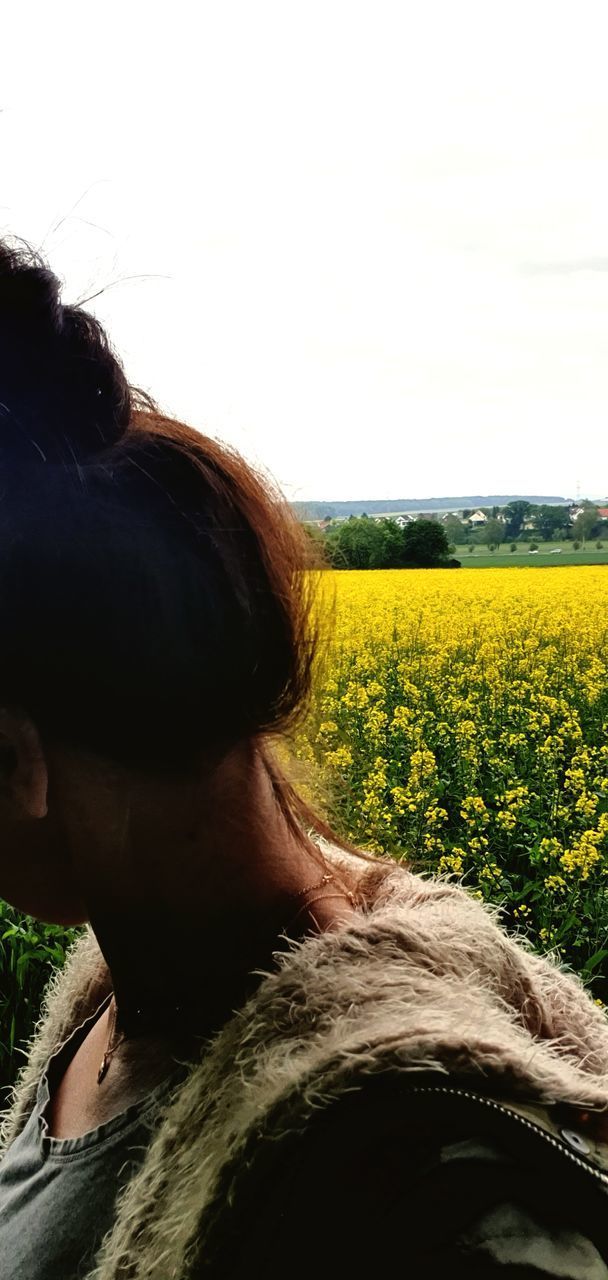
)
(153, 589)
(157, 594)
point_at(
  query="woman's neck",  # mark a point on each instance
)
(189, 889)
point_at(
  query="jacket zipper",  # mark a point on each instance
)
(514, 1115)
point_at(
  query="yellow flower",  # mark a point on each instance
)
(341, 758)
(327, 730)
(583, 855)
(422, 766)
(459, 716)
(506, 819)
(555, 884)
(450, 862)
(474, 811)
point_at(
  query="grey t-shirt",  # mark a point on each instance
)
(58, 1195)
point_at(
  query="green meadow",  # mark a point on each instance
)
(549, 553)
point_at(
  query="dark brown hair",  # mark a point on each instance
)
(157, 593)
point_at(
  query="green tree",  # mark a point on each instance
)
(357, 544)
(549, 521)
(425, 544)
(392, 544)
(493, 533)
(515, 513)
(457, 531)
(478, 536)
(585, 523)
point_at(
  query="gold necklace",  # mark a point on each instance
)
(327, 878)
(110, 1049)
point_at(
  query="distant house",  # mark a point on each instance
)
(578, 511)
(403, 520)
(399, 520)
(477, 518)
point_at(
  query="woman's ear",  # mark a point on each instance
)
(23, 771)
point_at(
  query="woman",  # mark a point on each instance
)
(269, 1053)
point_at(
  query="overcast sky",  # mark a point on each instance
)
(373, 237)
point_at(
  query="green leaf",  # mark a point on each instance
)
(594, 960)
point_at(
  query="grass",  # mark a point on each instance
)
(545, 556)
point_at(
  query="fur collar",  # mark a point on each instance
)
(423, 979)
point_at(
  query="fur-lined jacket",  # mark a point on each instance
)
(414, 1093)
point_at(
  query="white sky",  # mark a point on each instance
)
(375, 235)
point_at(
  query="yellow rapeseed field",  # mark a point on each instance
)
(461, 721)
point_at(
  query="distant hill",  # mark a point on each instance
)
(394, 506)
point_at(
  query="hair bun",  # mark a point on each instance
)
(63, 393)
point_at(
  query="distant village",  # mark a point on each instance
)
(434, 538)
(517, 518)
(476, 519)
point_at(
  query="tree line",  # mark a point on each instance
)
(363, 543)
(543, 522)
